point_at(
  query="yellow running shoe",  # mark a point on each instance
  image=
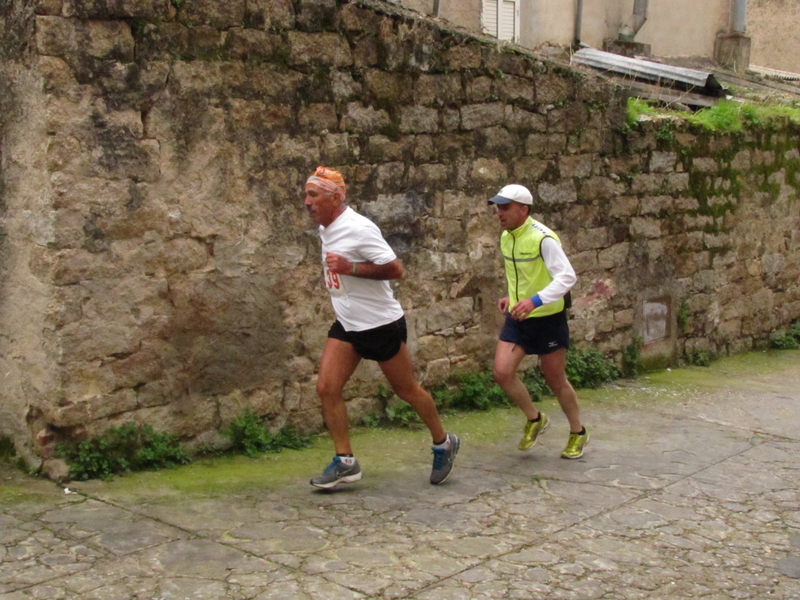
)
(577, 442)
(532, 432)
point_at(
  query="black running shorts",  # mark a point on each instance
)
(537, 335)
(379, 344)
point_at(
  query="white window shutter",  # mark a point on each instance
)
(501, 19)
(490, 17)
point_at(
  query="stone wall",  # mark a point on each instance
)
(157, 263)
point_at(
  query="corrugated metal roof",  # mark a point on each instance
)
(648, 70)
(767, 72)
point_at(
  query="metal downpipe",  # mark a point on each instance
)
(578, 24)
(635, 21)
(739, 16)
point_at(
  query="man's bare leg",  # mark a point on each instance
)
(507, 358)
(555, 375)
(400, 373)
(339, 361)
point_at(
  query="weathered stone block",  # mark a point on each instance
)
(94, 408)
(647, 183)
(576, 166)
(113, 9)
(482, 115)
(428, 177)
(210, 13)
(424, 149)
(583, 262)
(647, 228)
(356, 18)
(366, 53)
(419, 119)
(703, 164)
(718, 240)
(497, 141)
(592, 238)
(442, 264)
(68, 229)
(487, 170)
(364, 119)
(390, 175)
(461, 57)
(653, 205)
(47, 7)
(517, 118)
(430, 347)
(543, 145)
(338, 148)
(480, 89)
(445, 315)
(251, 44)
(613, 257)
(438, 89)
(663, 162)
(389, 89)
(76, 265)
(624, 318)
(514, 89)
(318, 117)
(436, 370)
(600, 187)
(73, 40)
(529, 169)
(269, 14)
(321, 48)
(684, 203)
(558, 194)
(742, 161)
(381, 149)
(704, 281)
(552, 88)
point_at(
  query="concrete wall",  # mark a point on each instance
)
(465, 13)
(158, 264)
(675, 28)
(774, 26)
(684, 27)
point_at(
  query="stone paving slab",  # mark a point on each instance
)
(689, 489)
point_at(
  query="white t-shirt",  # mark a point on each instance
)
(359, 304)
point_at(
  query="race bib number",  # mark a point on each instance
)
(334, 283)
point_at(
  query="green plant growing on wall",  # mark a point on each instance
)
(728, 116)
(249, 436)
(699, 358)
(473, 391)
(587, 368)
(637, 108)
(7, 450)
(683, 316)
(786, 341)
(129, 447)
(534, 381)
(665, 135)
(631, 358)
(402, 415)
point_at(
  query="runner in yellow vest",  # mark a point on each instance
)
(539, 277)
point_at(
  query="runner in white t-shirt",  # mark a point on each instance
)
(358, 265)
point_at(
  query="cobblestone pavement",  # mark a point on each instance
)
(689, 489)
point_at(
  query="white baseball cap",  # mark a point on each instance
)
(513, 193)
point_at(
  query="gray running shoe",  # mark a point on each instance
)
(337, 472)
(443, 460)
